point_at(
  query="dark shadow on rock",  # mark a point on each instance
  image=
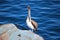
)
(20, 27)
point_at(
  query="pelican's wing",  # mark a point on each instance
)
(34, 24)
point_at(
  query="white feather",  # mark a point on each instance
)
(29, 24)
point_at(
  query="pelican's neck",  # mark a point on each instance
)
(29, 15)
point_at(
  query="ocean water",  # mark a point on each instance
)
(45, 12)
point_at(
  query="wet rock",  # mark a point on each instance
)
(11, 32)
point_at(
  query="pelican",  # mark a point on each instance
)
(31, 23)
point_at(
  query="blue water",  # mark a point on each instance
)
(45, 12)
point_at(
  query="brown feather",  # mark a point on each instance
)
(34, 24)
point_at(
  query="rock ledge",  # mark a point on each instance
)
(11, 32)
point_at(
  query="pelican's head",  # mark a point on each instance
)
(28, 7)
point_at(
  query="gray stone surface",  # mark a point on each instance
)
(10, 32)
